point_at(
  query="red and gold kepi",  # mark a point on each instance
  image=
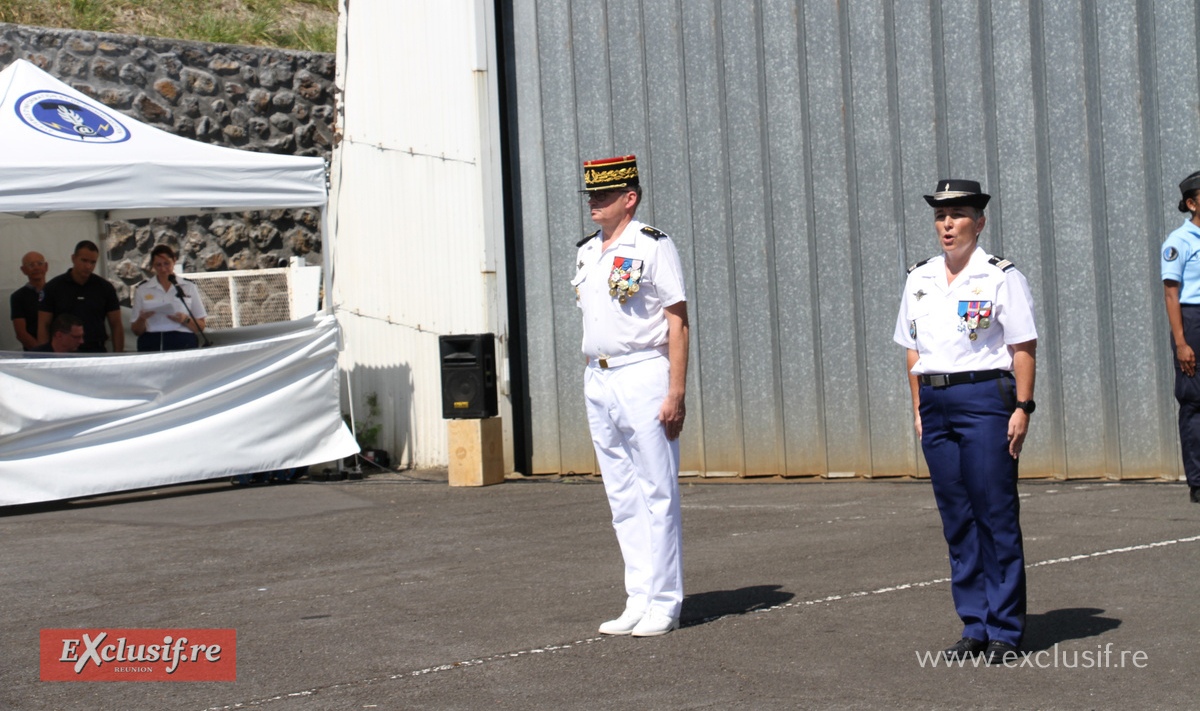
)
(609, 174)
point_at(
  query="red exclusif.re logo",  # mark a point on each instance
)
(139, 655)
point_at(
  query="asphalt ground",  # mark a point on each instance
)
(398, 592)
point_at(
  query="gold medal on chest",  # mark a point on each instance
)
(625, 277)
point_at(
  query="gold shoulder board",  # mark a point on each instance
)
(1002, 263)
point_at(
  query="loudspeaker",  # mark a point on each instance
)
(468, 376)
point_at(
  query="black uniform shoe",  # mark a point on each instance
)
(1001, 652)
(1195, 494)
(964, 649)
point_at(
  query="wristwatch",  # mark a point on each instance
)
(1027, 405)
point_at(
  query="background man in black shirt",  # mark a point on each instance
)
(24, 301)
(81, 293)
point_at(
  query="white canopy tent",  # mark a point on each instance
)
(87, 425)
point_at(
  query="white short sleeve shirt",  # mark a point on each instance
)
(149, 296)
(969, 324)
(642, 267)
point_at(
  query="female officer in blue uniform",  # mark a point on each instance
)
(1181, 288)
(967, 321)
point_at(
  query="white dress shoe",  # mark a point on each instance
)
(654, 624)
(623, 624)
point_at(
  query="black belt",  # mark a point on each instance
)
(978, 376)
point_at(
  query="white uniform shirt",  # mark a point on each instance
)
(611, 328)
(936, 319)
(150, 296)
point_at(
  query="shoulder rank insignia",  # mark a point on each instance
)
(584, 241)
(1002, 263)
(656, 234)
(918, 264)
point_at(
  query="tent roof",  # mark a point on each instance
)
(64, 151)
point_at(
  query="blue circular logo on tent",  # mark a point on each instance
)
(59, 115)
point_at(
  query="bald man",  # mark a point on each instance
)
(24, 301)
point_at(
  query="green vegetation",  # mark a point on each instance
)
(367, 432)
(290, 24)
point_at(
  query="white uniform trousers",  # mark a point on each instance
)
(640, 468)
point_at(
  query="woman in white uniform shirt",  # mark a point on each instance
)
(160, 320)
(967, 321)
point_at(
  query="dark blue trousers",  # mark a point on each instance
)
(965, 439)
(167, 341)
(1187, 392)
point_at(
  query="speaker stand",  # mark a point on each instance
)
(476, 452)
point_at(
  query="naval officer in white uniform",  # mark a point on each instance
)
(629, 286)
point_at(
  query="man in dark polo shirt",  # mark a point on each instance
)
(24, 301)
(81, 293)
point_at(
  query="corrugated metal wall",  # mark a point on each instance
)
(786, 145)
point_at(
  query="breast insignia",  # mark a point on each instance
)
(1002, 263)
(656, 234)
(921, 263)
(584, 241)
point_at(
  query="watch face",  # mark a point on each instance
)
(1028, 406)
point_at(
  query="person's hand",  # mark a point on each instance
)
(1018, 427)
(1187, 359)
(671, 414)
(917, 422)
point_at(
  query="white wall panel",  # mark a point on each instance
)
(415, 195)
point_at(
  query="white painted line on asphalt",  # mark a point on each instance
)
(594, 640)
(1113, 551)
(936, 581)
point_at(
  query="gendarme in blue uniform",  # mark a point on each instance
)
(1181, 263)
(965, 430)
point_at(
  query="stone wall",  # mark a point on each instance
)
(252, 98)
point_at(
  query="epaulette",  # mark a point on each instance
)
(584, 241)
(656, 234)
(921, 263)
(143, 281)
(1002, 263)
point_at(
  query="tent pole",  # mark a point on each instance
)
(353, 422)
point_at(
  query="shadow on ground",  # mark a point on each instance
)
(1045, 630)
(705, 607)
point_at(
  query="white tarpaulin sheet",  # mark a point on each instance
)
(80, 425)
(65, 151)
